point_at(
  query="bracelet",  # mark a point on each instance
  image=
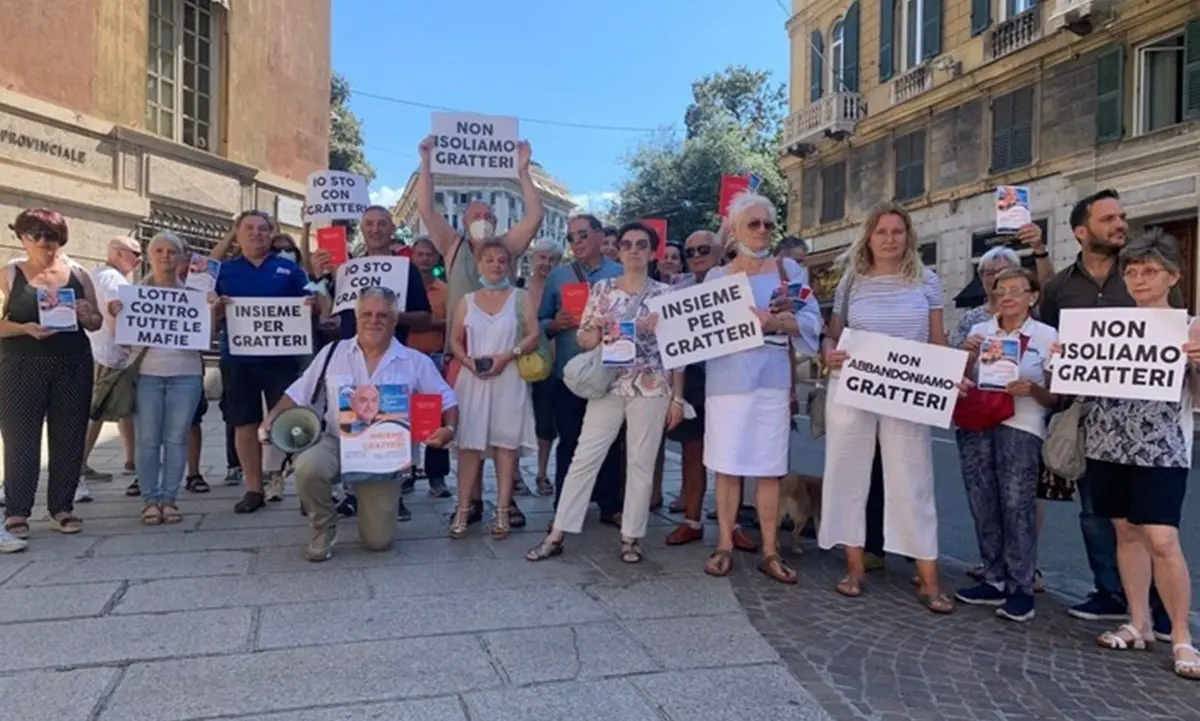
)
(1041, 254)
(677, 401)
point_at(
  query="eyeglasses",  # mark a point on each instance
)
(639, 244)
(42, 235)
(757, 224)
(1010, 292)
(1143, 274)
(699, 250)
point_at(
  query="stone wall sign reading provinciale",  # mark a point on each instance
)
(49, 146)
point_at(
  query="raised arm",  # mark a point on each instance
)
(443, 236)
(522, 234)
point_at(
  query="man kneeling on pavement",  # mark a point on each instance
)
(372, 357)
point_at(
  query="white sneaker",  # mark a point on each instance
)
(10, 543)
(82, 494)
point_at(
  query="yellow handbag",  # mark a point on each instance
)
(536, 365)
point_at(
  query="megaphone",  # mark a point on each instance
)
(295, 430)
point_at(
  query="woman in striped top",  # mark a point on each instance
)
(885, 289)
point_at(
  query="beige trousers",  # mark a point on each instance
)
(318, 469)
(644, 419)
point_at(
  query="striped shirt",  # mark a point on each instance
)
(888, 304)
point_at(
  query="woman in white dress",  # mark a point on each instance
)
(491, 328)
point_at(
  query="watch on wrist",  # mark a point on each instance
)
(516, 351)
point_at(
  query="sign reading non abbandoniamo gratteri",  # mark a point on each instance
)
(481, 146)
(373, 271)
(706, 321)
(1121, 353)
(164, 318)
(269, 327)
(899, 378)
(335, 195)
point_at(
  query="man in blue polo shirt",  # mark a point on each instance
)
(256, 273)
(585, 234)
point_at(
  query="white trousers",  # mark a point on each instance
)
(909, 505)
(644, 419)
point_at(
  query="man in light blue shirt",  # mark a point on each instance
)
(585, 234)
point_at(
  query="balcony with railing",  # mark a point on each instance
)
(1015, 33)
(835, 115)
(911, 84)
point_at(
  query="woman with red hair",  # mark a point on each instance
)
(44, 375)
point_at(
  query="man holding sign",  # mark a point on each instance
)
(371, 360)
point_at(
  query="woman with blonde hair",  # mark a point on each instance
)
(885, 289)
(748, 393)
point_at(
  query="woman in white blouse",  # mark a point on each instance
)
(168, 390)
(885, 289)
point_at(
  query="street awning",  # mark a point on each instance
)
(972, 295)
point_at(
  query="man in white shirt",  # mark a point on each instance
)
(372, 357)
(124, 254)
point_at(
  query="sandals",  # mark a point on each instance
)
(939, 603)
(170, 513)
(720, 563)
(151, 515)
(1187, 668)
(849, 586)
(500, 525)
(774, 567)
(66, 523)
(546, 549)
(1126, 638)
(20, 529)
(631, 551)
(197, 484)
(516, 518)
(458, 525)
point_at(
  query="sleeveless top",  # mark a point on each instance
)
(462, 277)
(21, 306)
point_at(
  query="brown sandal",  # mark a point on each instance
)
(66, 523)
(631, 551)
(151, 515)
(170, 513)
(849, 586)
(20, 529)
(720, 563)
(939, 603)
(775, 567)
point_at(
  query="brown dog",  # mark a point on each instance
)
(800, 500)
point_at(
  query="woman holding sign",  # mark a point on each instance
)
(170, 383)
(885, 289)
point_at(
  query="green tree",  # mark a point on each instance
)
(345, 132)
(733, 123)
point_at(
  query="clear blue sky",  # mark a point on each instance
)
(613, 62)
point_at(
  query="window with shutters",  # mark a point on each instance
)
(1161, 72)
(181, 78)
(910, 32)
(1012, 130)
(1013, 8)
(837, 57)
(833, 192)
(910, 166)
(816, 62)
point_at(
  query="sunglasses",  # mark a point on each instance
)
(578, 236)
(41, 235)
(639, 244)
(757, 224)
(700, 250)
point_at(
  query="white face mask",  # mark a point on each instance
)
(481, 229)
(289, 255)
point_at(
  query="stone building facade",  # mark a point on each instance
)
(131, 116)
(934, 103)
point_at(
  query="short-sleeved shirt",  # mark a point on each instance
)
(891, 305)
(415, 301)
(274, 277)
(107, 282)
(970, 319)
(646, 376)
(566, 344)
(1075, 287)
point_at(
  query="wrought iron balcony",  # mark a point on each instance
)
(1017, 32)
(833, 116)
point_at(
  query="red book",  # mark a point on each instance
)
(731, 185)
(424, 415)
(574, 299)
(333, 241)
(660, 227)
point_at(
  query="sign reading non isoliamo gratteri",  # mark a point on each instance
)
(481, 146)
(1121, 353)
(164, 318)
(706, 321)
(335, 195)
(899, 378)
(373, 271)
(268, 327)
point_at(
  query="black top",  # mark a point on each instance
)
(1074, 287)
(22, 307)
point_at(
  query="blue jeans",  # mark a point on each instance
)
(165, 406)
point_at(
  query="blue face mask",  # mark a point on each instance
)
(494, 286)
(760, 254)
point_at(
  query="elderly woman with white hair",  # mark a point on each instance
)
(999, 258)
(748, 393)
(169, 384)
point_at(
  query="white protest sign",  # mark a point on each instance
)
(268, 327)
(706, 321)
(899, 378)
(164, 318)
(481, 146)
(1121, 353)
(384, 271)
(335, 195)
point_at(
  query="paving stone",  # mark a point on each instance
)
(765, 693)
(48, 545)
(315, 623)
(109, 639)
(54, 695)
(437, 709)
(130, 525)
(38, 604)
(668, 598)
(347, 554)
(231, 592)
(594, 701)
(121, 507)
(223, 540)
(471, 576)
(296, 679)
(120, 568)
(562, 653)
(699, 642)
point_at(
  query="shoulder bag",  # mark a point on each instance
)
(585, 375)
(818, 396)
(1063, 449)
(535, 365)
(793, 399)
